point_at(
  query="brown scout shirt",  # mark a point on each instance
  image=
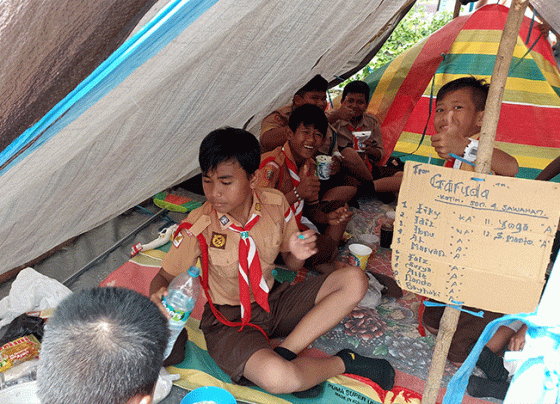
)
(274, 174)
(368, 123)
(271, 234)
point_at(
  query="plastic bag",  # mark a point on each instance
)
(23, 325)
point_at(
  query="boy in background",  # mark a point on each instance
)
(237, 234)
(275, 128)
(458, 118)
(352, 117)
(291, 169)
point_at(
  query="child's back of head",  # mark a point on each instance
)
(226, 144)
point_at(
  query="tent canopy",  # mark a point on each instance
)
(133, 127)
(528, 127)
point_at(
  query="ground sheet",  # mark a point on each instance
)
(387, 331)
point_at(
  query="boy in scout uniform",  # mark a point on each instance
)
(291, 169)
(237, 234)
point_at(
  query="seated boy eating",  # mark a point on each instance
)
(291, 169)
(362, 158)
(458, 118)
(237, 234)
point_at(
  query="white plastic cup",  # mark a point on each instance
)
(360, 140)
(324, 166)
(359, 255)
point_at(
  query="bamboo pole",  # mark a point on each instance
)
(498, 84)
(450, 318)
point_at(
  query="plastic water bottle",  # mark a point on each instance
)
(181, 298)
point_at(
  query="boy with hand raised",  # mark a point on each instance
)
(458, 118)
(352, 118)
(291, 169)
(237, 234)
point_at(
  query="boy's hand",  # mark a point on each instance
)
(303, 244)
(343, 113)
(340, 215)
(373, 152)
(309, 186)
(336, 164)
(448, 142)
(156, 298)
(517, 342)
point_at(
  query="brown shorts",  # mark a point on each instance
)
(468, 330)
(231, 349)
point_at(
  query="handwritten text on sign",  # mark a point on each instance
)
(483, 240)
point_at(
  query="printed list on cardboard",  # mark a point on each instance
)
(481, 240)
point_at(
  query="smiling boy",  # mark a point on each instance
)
(458, 119)
(291, 169)
(245, 228)
(364, 165)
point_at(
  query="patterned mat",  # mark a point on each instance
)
(391, 329)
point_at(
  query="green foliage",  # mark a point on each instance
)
(412, 29)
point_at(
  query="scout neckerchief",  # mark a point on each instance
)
(297, 206)
(356, 147)
(206, 287)
(250, 271)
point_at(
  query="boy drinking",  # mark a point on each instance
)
(291, 169)
(238, 233)
(363, 162)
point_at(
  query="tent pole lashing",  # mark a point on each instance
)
(120, 242)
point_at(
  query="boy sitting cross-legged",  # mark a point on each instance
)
(291, 168)
(245, 228)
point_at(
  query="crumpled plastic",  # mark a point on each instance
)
(164, 385)
(31, 291)
(373, 296)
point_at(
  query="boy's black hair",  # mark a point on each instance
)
(317, 83)
(226, 144)
(479, 90)
(309, 114)
(103, 345)
(356, 87)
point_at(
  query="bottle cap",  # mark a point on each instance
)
(194, 272)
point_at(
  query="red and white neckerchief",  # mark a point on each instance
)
(297, 206)
(250, 271)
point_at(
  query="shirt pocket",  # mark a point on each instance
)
(269, 243)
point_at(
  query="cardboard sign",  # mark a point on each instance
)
(483, 240)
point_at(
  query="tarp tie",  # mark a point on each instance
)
(545, 355)
(455, 305)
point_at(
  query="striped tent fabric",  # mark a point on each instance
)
(529, 125)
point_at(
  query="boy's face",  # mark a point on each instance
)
(228, 189)
(318, 98)
(305, 142)
(456, 114)
(356, 102)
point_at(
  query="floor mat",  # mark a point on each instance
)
(388, 331)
